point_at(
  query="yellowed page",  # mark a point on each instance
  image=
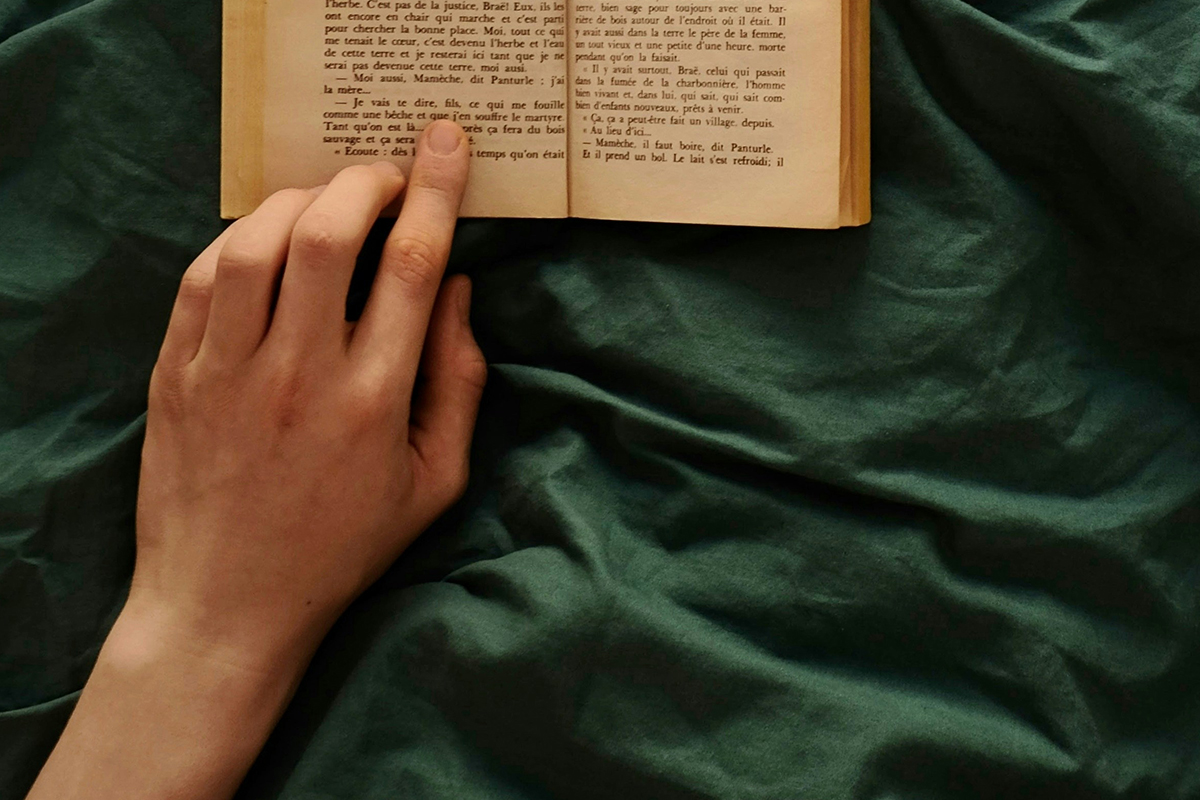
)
(355, 81)
(722, 112)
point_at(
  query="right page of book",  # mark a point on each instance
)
(725, 112)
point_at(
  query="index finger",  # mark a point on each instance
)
(391, 332)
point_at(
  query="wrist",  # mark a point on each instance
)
(167, 713)
(263, 633)
(152, 633)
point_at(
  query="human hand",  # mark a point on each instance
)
(287, 461)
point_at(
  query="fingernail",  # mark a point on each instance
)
(387, 168)
(464, 303)
(443, 137)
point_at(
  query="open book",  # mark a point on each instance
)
(737, 112)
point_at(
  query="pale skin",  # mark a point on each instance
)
(287, 464)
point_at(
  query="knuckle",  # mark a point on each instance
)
(238, 261)
(195, 287)
(475, 369)
(316, 235)
(168, 391)
(438, 183)
(369, 403)
(413, 262)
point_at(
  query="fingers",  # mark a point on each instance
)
(455, 372)
(391, 332)
(322, 252)
(246, 275)
(189, 317)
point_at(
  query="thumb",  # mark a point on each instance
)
(446, 406)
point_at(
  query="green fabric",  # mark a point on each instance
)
(911, 511)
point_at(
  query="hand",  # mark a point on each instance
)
(287, 463)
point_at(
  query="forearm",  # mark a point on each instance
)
(163, 716)
(289, 458)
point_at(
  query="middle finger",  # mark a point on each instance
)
(324, 249)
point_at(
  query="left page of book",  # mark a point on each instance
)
(355, 81)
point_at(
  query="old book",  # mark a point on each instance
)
(738, 112)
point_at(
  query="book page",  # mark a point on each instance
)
(355, 81)
(722, 112)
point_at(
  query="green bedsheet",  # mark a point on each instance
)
(910, 511)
